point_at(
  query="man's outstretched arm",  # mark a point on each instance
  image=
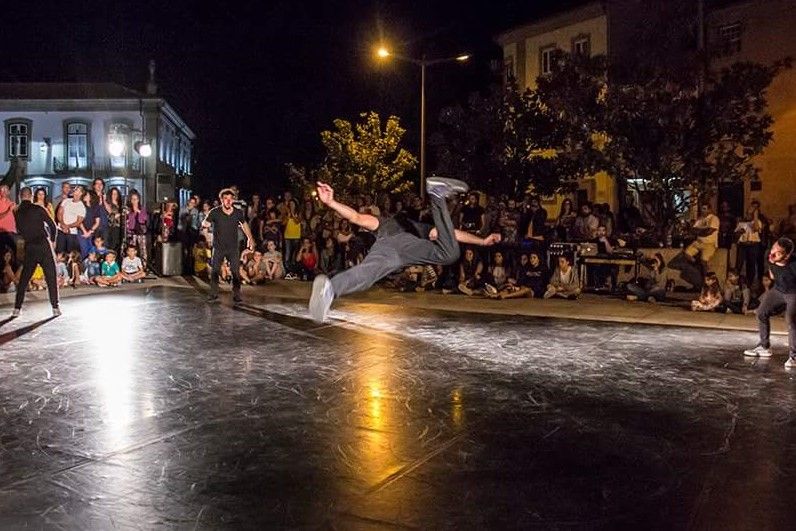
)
(468, 238)
(326, 195)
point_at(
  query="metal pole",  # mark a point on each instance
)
(423, 127)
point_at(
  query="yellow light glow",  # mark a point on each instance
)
(463, 57)
(383, 52)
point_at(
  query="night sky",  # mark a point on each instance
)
(258, 81)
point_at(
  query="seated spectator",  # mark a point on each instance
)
(766, 283)
(564, 282)
(471, 271)
(132, 266)
(601, 273)
(61, 270)
(74, 264)
(243, 268)
(201, 259)
(98, 247)
(653, 287)
(737, 295)
(225, 274)
(330, 258)
(10, 272)
(352, 251)
(37, 281)
(91, 269)
(419, 278)
(257, 270)
(111, 274)
(710, 298)
(274, 267)
(307, 260)
(497, 275)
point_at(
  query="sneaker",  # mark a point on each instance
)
(15, 313)
(760, 351)
(56, 312)
(632, 298)
(489, 289)
(321, 299)
(791, 363)
(652, 300)
(444, 187)
(464, 289)
(236, 299)
(212, 298)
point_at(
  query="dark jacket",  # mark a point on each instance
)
(34, 223)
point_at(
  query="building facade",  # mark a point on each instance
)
(55, 132)
(752, 30)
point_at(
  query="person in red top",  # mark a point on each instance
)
(8, 226)
(307, 258)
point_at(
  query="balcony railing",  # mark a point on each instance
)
(99, 166)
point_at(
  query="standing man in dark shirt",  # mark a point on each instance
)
(400, 242)
(782, 268)
(226, 220)
(38, 230)
(471, 217)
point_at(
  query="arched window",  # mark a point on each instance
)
(77, 145)
(18, 131)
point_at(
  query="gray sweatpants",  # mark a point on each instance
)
(400, 250)
(770, 302)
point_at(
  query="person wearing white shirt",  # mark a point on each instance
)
(132, 266)
(71, 213)
(707, 232)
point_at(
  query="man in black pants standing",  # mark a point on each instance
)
(782, 268)
(400, 242)
(38, 230)
(225, 220)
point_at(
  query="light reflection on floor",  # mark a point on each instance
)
(146, 409)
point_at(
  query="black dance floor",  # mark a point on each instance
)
(152, 409)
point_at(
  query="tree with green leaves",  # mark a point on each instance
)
(366, 157)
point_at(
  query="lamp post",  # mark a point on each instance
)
(423, 63)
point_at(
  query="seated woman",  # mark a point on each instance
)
(274, 268)
(737, 295)
(10, 272)
(653, 287)
(497, 275)
(307, 260)
(330, 258)
(564, 283)
(471, 270)
(710, 298)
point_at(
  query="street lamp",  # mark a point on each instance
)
(143, 148)
(116, 147)
(382, 53)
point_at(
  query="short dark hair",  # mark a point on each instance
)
(226, 191)
(786, 244)
(25, 190)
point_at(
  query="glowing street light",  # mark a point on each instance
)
(383, 53)
(143, 148)
(116, 147)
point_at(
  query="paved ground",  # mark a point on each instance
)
(149, 408)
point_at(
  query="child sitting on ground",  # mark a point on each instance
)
(91, 269)
(99, 247)
(201, 259)
(37, 281)
(132, 266)
(61, 271)
(497, 276)
(273, 262)
(111, 275)
(736, 295)
(530, 282)
(711, 297)
(74, 264)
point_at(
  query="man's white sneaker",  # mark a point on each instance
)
(490, 289)
(15, 313)
(321, 298)
(791, 363)
(760, 351)
(56, 312)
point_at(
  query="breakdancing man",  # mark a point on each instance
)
(400, 242)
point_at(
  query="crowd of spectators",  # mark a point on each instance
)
(105, 239)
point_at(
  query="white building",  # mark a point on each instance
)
(62, 131)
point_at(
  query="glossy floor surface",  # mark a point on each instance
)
(152, 409)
